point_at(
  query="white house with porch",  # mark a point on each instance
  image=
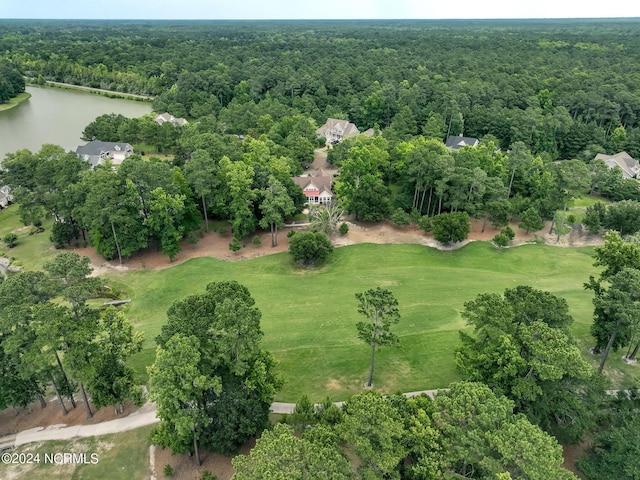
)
(317, 189)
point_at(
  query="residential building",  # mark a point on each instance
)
(457, 142)
(317, 188)
(167, 117)
(630, 166)
(337, 130)
(96, 151)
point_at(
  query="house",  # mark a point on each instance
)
(337, 130)
(167, 117)
(630, 166)
(317, 189)
(457, 142)
(6, 198)
(96, 151)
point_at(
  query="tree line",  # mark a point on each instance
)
(53, 341)
(11, 81)
(559, 87)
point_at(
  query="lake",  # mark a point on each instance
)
(58, 116)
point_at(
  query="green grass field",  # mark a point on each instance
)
(309, 315)
(124, 456)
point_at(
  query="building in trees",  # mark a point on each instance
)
(630, 166)
(456, 142)
(96, 152)
(317, 189)
(335, 130)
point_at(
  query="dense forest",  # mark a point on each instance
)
(543, 97)
(557, 86)
(11, 81)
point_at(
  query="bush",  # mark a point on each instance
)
(501, 240)
(256, 240)
(451, 227)
(291, 233)
(594, 218)
(343, 229)
(192, 238)
(62, 233)
(168, 471)
(308, 248)
(425, 223)
(10, 239)
(531, 221)
(400, 217)
(508, 232)
(623, 216)
(207, 475)
(235, 244)
(571, 218)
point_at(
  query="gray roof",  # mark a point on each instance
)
(322, 182)
(630, 166)
(96, 151)
(459, 141)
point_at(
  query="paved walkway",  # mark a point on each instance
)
(140, 418)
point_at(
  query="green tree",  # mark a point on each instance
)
(594, 218)
(380, 307)
(178, 387)
(275, 207)
(202, 174)
(451, 227)
(164, 220)
(521, 348)
(374, 429)
(279, 455)
(531, 221)
(573, 179)
(309, 247)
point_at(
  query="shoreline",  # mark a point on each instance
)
(15, 101)
(95, 91)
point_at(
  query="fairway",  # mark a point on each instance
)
(309, 316)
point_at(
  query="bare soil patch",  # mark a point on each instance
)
(52, 414)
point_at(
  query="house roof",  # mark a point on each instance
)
(321, 182)
(96, 147)
(459, 141)
(336, 126)
(630, 166)
(167, 117)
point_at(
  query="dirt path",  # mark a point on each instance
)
(216, 245)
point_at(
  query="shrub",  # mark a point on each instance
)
(400, 217)
(531, 221)
(207, 475)
(343, 229)
(451, 227)
(10, 239)
(425, 223)
(62, 233)
(571, 218)
(594, 217)
(192, 238)
(501, 240)
(509, 233)
(168, 471)
(308, 248)
(235, 244)
(256, 240)
(291, 233)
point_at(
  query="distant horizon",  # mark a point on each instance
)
(461, 20)
(327, 10)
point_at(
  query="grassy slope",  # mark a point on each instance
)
(15, 101)
(309, 315)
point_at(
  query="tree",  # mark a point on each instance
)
(373, 428)
(380, 308)
(226, 324)
(10, 239)
(178, 387)
(531, 221)
(112, 381)
(279, 455)
(594, 218)
(451, 227)
(275, 207)
(617, 312)
(479, 436)
(202, 174)
(164, 220)
(623, 216)
(325, 218)
(573, 179)
(309, 247)
(615, 450)
(521, 348)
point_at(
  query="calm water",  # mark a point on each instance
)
(57, 116)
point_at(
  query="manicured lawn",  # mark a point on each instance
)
(32, 250)
(309, 316)
(119, 457)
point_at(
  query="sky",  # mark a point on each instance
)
(310, 9)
